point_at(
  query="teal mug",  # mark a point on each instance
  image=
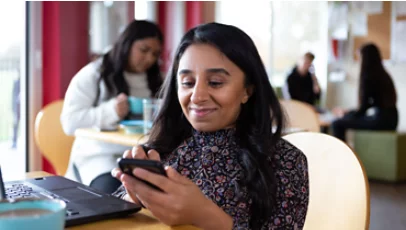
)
(25, 214)
(135, 104)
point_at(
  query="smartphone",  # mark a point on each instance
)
(128, 165)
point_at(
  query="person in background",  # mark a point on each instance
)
(377, 91)
(302, 84)
(97, 97)
(16, 109)
(226, 169)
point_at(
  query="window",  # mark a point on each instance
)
(12, 109)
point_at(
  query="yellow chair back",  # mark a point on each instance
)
(300, 115)
(53, 143)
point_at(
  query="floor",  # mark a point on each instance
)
(388, 206)
(388, 201)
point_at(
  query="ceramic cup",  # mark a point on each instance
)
(135, 104)
(25, 214)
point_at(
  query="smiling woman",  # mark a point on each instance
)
(211, 88)
(214, 129)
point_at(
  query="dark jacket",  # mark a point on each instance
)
(301, 87)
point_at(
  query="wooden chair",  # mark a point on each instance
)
(339, 188)
(300, 115)
(53, 143)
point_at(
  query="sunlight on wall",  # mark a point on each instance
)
(282, 32)
(299, 27)
(256, 22)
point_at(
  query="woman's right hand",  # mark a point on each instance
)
(122, 107)
(136, 152)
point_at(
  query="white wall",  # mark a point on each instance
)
(145, 10)
(256, 22)
(106, 24)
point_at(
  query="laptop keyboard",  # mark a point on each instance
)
(19, 191)
(15, 191)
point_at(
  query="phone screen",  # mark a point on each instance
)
(128, 168)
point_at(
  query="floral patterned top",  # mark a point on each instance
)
(211, 161)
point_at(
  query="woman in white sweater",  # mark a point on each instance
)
(97, 97)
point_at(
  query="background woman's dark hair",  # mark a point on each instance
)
(374, 79)
(116, 60)
(310, 56)
(254, 124)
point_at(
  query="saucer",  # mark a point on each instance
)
(133, 126)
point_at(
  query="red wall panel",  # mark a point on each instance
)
(65, 48)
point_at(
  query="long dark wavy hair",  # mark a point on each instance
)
(254, 124)
(116, 60)
(374, 78)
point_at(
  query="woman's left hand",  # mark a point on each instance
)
(179, 202)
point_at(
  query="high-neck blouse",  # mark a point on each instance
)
(212, 161)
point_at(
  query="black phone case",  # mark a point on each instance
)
(128, 165)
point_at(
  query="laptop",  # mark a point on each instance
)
(83, 203)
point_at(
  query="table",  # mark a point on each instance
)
(114, 137)
(122, 138)
(138, 221)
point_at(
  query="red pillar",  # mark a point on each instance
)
(165, 18)
(130, 11)
(51, 52)
(194, 15)
(65, 34)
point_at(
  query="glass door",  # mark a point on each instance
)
(12, 78)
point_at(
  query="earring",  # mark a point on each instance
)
(245, 99)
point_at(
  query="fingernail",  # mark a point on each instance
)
(138, 172)
(124, 179)
(135, 171)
